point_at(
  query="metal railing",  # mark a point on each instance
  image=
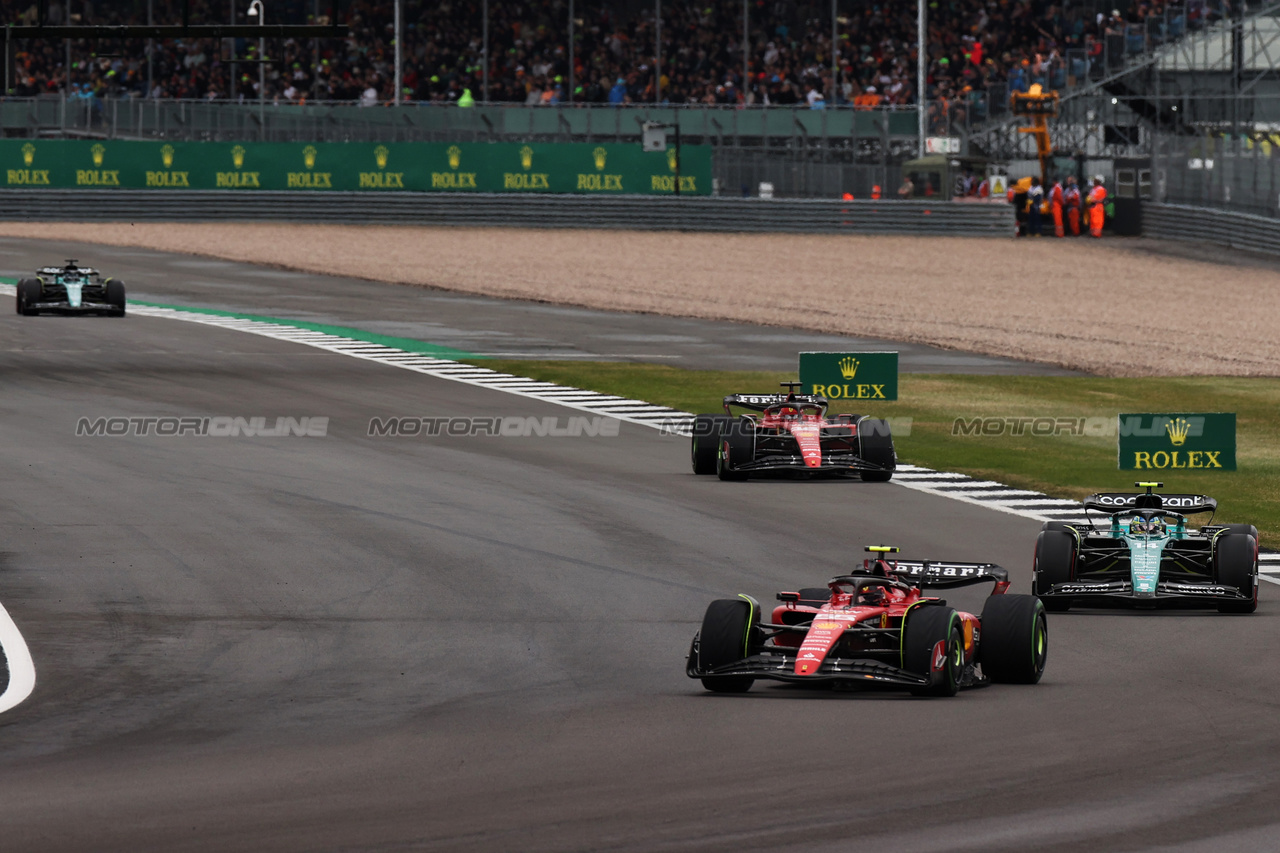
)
(1185, 223)
(808, 216)
(735, 126)
(1224, 171)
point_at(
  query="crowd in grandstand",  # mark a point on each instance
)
(973, 45)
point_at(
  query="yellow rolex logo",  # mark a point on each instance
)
(600, 154)
(166, 155)
(848, 367)
(98, 151)
(28, 154)
(526, 157)
(380, 155)
(309, 156)
(671, 159)
(237, 156)
(1178, 429)
(455, 156)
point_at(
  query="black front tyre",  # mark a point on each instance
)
(725, 638)
(875, 445)
(1014, 641)
(28, 294)
(1235, 563)
(1055, 563)
(927, 626)
(115, 297)
(705, 442)
(737, 446)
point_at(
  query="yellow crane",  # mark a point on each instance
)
(1039, 106)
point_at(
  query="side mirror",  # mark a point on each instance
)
(788, 596)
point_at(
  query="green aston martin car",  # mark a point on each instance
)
(1144, 555)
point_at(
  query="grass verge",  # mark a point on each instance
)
(1063, 466)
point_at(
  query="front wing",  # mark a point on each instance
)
(778, 664)
(65, 307)
(832, 462)
(1120, 593)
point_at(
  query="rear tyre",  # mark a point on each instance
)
(1248, 529)
(1057, 527)
(737, 447)
(725, 639)
(28, 294)
(1235, 563)
(1014, 641)
(927, 627)
(875, 445)
(1055, 563)
(115, 297)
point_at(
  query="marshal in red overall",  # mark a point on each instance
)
(876, 628)
(790, 432)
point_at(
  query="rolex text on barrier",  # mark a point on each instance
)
(850, 375)
(580, 168)
(1199, 441)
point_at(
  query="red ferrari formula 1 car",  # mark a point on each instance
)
(790, 432)
(875, 628)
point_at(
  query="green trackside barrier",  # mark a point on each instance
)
(606, 169)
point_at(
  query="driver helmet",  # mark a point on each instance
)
(1149, 526)
(788, 412)
(873, 595)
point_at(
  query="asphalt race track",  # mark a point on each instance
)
(392, 644)
(501, 328)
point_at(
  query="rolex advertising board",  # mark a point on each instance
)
(605, 169)
(1192, 441)
(850, 375)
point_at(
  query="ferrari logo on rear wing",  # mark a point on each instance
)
(940, 575)
(763, 401)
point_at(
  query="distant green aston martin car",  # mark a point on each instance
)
(1146, 556)
(70, 289)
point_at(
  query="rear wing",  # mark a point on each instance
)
(1114, 503)
(86, 271)
(937, 574)
(760, 402)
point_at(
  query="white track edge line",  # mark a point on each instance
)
(22, 669)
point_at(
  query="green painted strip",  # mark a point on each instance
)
(406, 344)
